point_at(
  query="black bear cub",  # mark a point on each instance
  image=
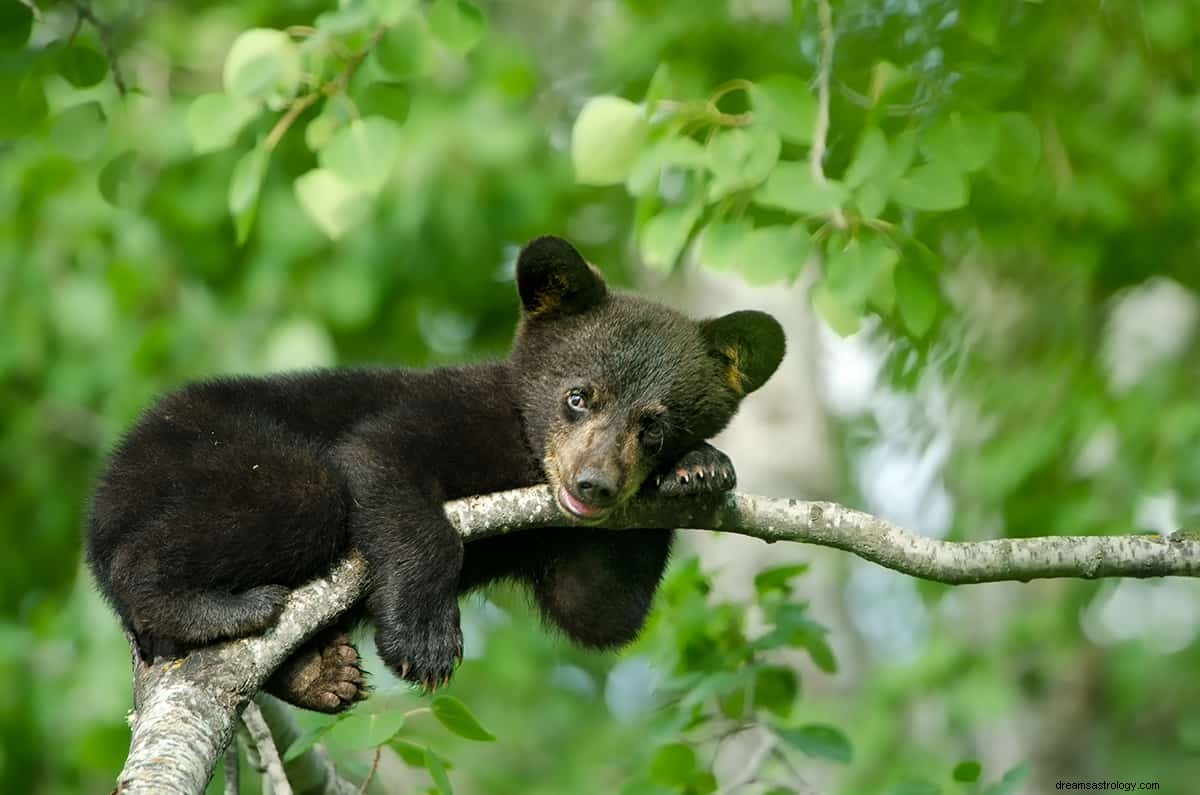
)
(228, 493)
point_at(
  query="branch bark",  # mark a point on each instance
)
(186, 710)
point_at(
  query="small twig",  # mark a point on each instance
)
(816, 155)
(232, 768)
(260, 733)
(84, 11)
(329, 89)
(371, 773)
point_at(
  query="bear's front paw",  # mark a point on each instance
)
(703, 470)
(422, 650)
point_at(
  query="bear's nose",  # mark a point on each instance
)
(595, 487)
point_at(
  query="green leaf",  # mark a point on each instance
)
(740, 158)
(785, 104)
(403, 52)
(914, 787)
(772, 254)
(702, 782)
(967, 772)
(80, 130)
(1011, 782)
(214, 120)
(901, 151)
(384, 98)
(114, 179)
(263, 65)
(933, 187)
(842, 318)
(672, 765)
(965, 143)
(454, 715)
(363, 153)
(1018, 150)
(775, 689)
(458, 24)
(334, 204)
(82, 66)
(791, 187)
(16, 22)
(852, 271)
(720, 245)
(817, 740)
(607, 138)
(669, 152)
(869, 158)
(389, 12)
(437, 772)
(244, 186)
(27, 106)
(413, 754)
(917, 299)
(665, 235)
(363, 730)
(778, 578)
(307, 740)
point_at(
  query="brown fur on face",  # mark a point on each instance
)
(608, 440)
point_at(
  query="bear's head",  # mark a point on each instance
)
(612, 386)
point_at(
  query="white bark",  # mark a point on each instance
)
(186, 710)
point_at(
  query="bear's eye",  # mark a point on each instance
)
(576, 400)
(652, 435)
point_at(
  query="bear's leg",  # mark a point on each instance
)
(325, 674)
(597, 586)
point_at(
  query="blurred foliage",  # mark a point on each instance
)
(1004, 200)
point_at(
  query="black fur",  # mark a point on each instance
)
(230, 492)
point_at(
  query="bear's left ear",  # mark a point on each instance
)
(749, 344)
(552, 278)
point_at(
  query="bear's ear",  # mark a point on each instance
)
(553, 278)
(749, 344)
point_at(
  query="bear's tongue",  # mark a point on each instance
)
(577, 506)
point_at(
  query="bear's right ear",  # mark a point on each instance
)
(553, 278)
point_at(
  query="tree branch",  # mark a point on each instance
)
(260, 733)
(186, 710)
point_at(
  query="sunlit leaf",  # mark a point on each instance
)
(607, 138)
(853, 271)
(244, 186)
(933, 187)
(334, 204)
(777, 579)
(917, 299)
(825, 742)
(721, 244)
(962, 142)
(791, 187)
(774, 254)
(837, 314)
(785, 104)
(263, 64)
(459, 24)
(214, 120)
(868, 158)
(362, 730)
(363, 153)
(740, 158)
(454, 715)
(665, 235)
(306, 741)
(437, 772)
(413, 754)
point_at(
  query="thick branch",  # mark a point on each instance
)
(186, 710)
